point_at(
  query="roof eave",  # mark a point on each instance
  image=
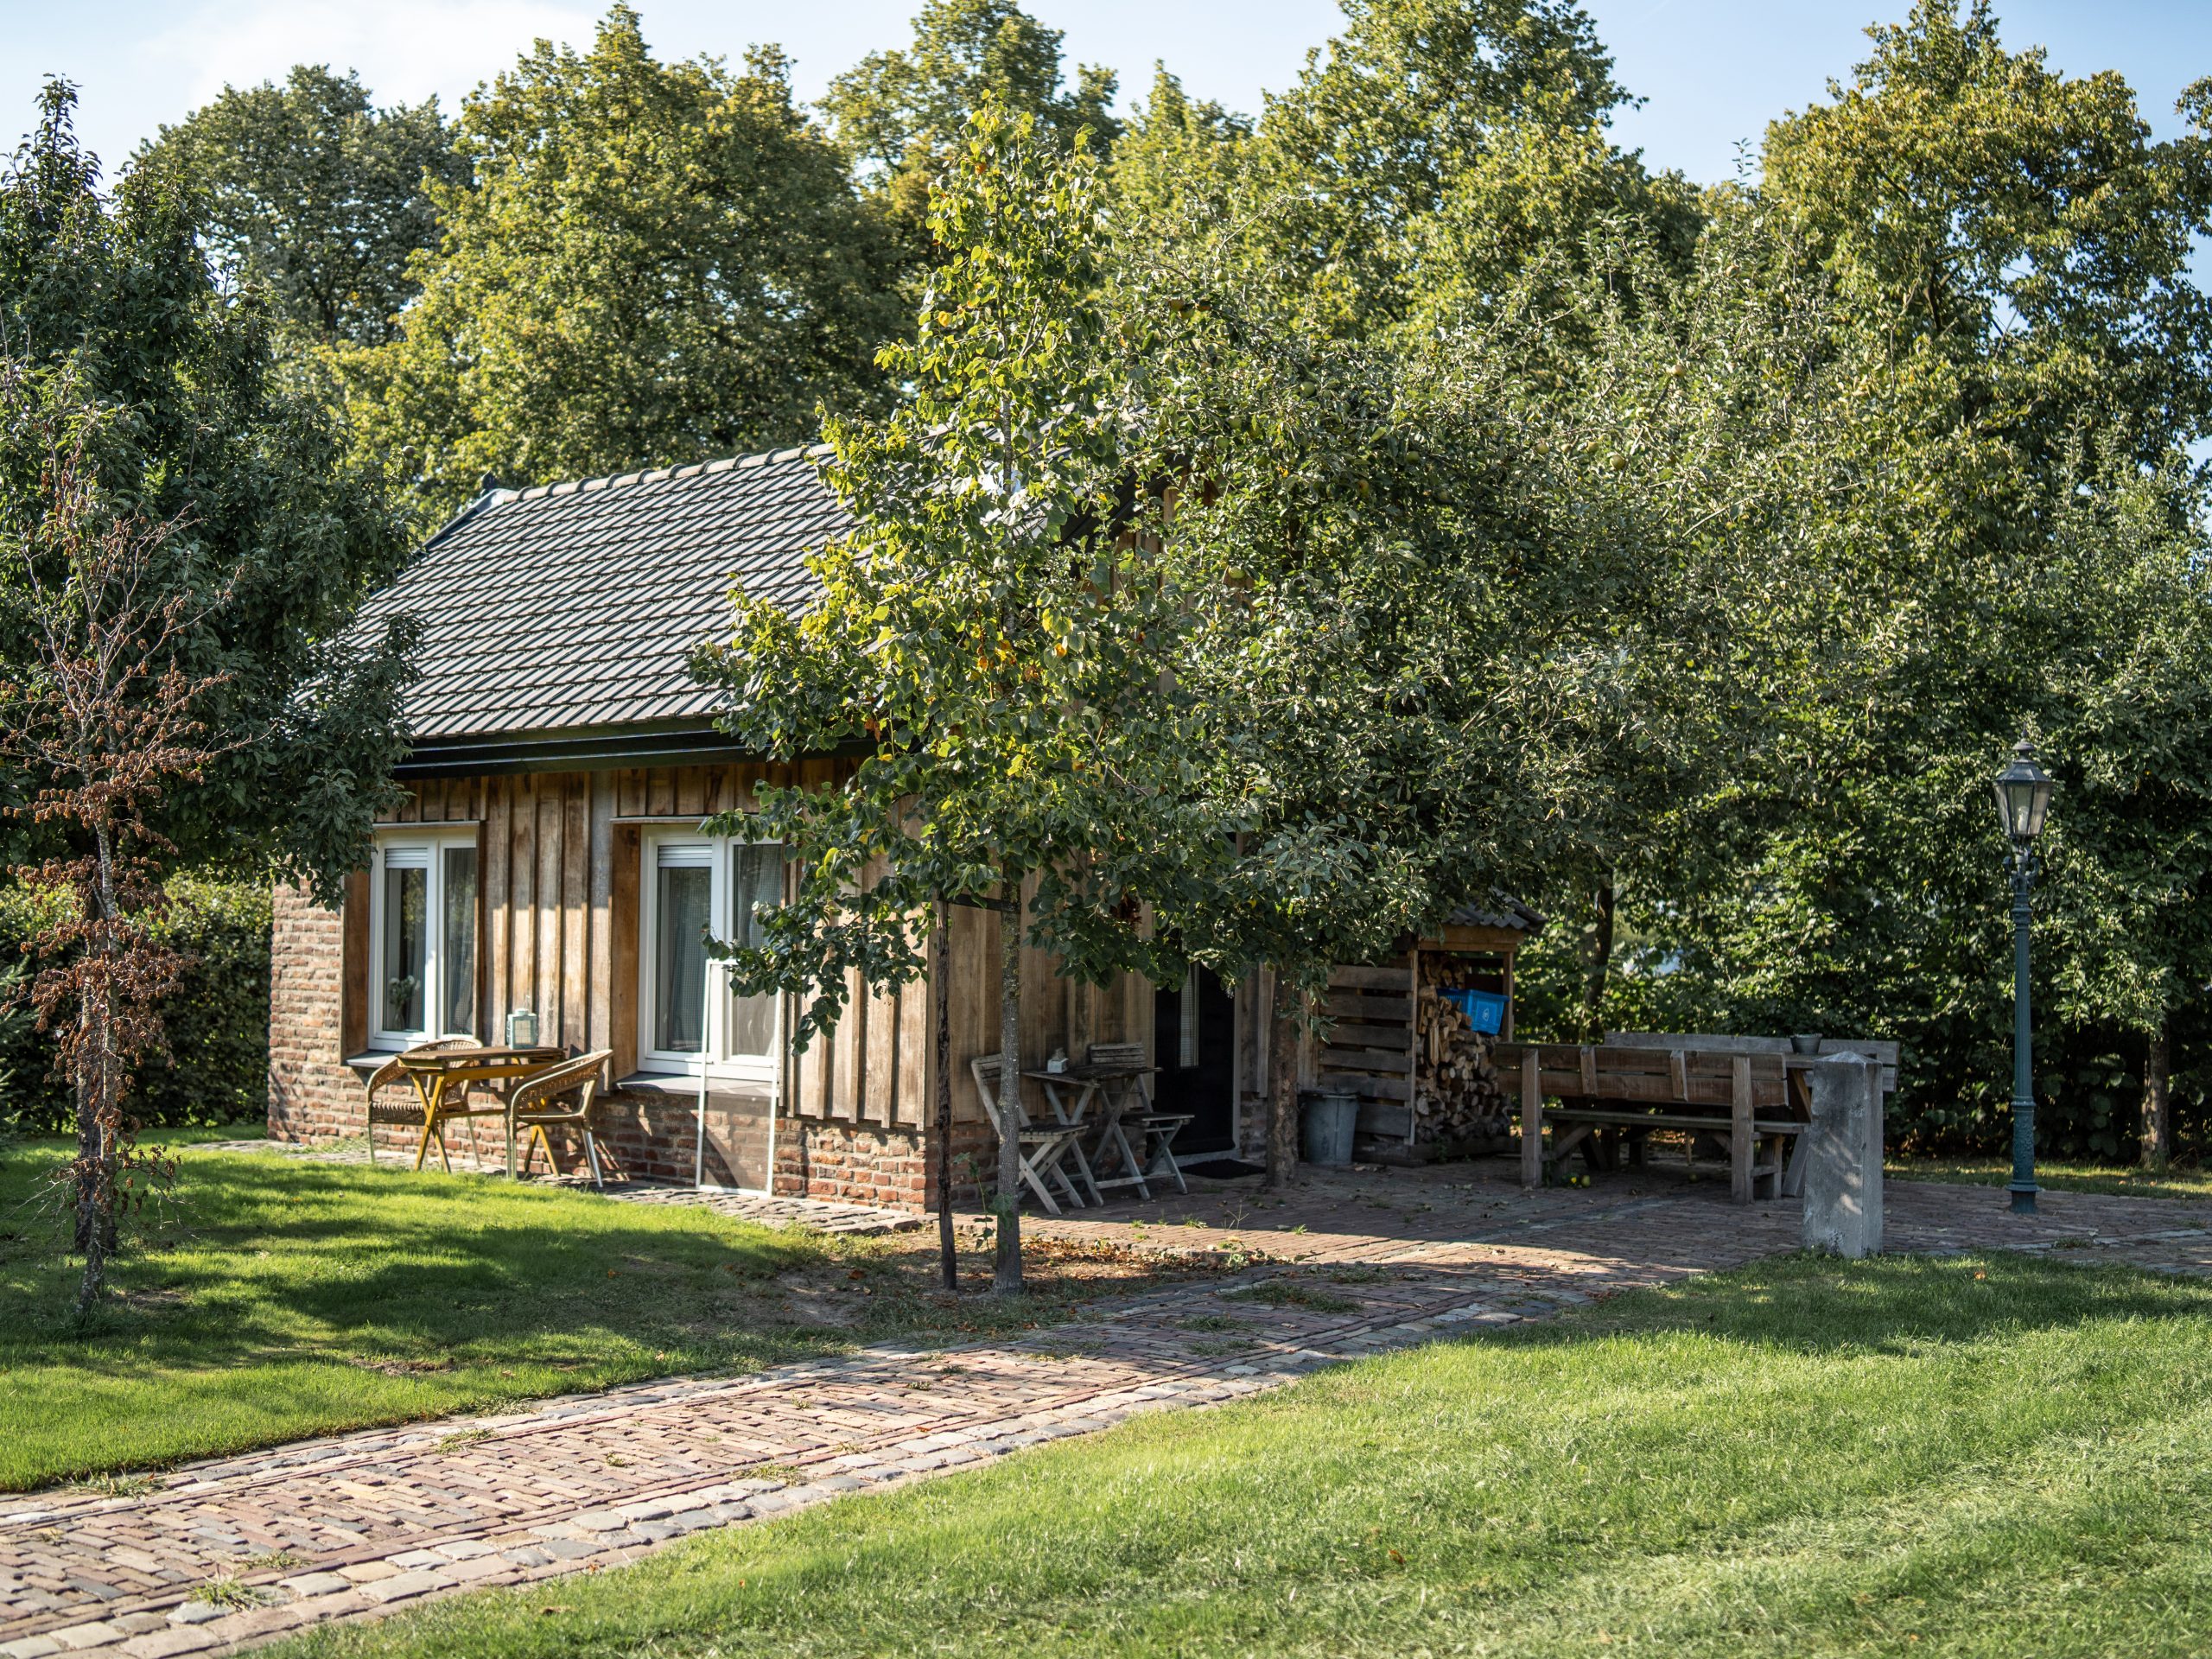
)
(688, 742)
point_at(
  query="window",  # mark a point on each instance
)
(422, 938)
(693, 884)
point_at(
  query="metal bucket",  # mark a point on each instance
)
(1325, 1130)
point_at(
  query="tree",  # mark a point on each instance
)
(103, 723)
(648, 264)
(992, 636)
(1179, 158)
(311, 189)
(275, 538)
(1465, 620)
(898, 114)
(2026, 355)
(1430, 152)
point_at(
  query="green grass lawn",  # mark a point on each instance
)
(2060, 1177)
(276, 1298)
(2001, 1456)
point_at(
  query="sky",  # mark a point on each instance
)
(1712, 71)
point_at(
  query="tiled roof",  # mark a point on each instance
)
(1501, 912)
(575, 606)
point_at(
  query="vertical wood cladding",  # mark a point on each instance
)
(560, 856)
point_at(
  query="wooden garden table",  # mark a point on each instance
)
(1111, 1090)
(437, 1071)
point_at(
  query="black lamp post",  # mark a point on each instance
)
(2023, 799)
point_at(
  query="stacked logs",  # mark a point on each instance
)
(1457, 1095)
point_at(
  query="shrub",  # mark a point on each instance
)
(217, 1068)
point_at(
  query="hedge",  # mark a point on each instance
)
(217, 1069)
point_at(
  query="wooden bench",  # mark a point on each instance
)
(1745, 1098)
(1715, 1043)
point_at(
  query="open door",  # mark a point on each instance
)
(1194, 1046)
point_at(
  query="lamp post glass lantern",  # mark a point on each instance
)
(2023, 799)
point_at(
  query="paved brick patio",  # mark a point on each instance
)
(358, 1523)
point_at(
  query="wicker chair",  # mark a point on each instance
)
(561, 1098)
(407, 1108)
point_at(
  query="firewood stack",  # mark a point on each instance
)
(1457, 1095)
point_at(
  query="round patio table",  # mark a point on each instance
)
(436, 1071)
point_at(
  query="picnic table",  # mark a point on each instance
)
(1748, 1096)
(438, 1073)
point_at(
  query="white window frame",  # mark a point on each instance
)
(433, 845)
(721, 1064)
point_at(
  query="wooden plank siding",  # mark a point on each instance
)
(560, 884)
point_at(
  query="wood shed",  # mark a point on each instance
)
(1411, 1036)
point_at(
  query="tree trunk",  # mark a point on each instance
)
(97, 1123)
(2158, 1101)
(1598, 958)
(941, 994)
(99, 1085)
(1282, 1087)
(1006, 1203)
(88, 1125)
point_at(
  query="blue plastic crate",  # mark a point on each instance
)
(1486, 1010)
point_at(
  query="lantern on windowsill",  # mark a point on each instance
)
(521, 1028)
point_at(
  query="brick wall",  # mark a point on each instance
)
(860, 1163)
(312, 1095)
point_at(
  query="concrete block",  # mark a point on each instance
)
(1843, 1158)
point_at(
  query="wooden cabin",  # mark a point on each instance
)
(549, 857)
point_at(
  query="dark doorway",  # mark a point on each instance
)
(1194, 1046)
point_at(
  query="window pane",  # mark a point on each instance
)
(406, 939)
(756, 878)
(457, 945)
(685, 895)
(1187, 1050)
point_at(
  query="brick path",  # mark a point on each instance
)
(358, 1523)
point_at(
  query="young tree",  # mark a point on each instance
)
(312, 189)
(102, 723)
(649, 263)
(992, 634)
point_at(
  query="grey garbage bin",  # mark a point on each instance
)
(1326, 1121)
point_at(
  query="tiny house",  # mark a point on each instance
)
(550, 861)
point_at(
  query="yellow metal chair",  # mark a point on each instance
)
(407, 1110)
(562, 1097)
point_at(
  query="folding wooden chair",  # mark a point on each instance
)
(560, 1098)
(1159, 1129)
(1044, 1148)
(408, 1109)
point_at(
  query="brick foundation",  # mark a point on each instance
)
(860, 1163)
